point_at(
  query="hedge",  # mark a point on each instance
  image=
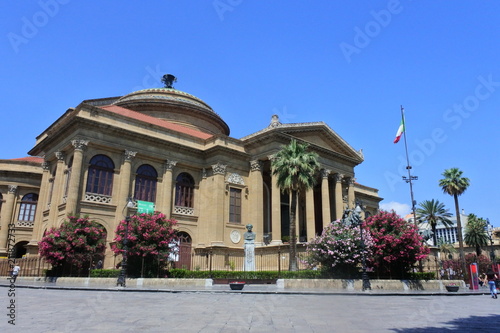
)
(104, 273)
(265, 275)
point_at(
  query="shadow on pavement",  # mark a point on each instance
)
(489, 323)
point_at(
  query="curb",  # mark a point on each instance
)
(253, 292)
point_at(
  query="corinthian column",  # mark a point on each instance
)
(339, 207)
(350, 192)
(310, 218)
(275, 209)
(75, 186)
(325, 198)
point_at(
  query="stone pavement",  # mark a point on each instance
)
(258, 308)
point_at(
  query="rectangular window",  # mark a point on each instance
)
(27, 212)
(235, 205)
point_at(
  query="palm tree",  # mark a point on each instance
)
(475, 233)
(446, 248)
(295, 170)
(454, 184)
(433, 212)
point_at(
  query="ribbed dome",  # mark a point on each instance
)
(175, 106)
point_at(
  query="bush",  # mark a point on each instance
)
(422, 276)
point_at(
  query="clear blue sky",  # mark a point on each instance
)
(350, 64)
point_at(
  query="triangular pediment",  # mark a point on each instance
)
(318, 134)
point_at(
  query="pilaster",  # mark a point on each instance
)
(256, 189)
(7, 218)
(165, 202)
(217, 207)
(74, 186)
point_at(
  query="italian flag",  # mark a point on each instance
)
(401, 129)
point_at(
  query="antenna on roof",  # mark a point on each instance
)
(168, 80)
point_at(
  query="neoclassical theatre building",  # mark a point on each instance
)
(170, 148)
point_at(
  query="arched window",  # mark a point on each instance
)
(145, 183)
(28, 207)
(100, 179)
(184, 190)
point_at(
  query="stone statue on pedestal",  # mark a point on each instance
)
(249, 247)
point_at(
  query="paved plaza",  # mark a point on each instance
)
(70, 310)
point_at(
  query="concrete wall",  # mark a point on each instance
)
(290, 284)
(397, 285)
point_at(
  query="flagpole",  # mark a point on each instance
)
(410, 178)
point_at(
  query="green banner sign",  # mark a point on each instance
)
(145, 207)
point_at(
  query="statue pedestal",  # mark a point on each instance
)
(249, 256)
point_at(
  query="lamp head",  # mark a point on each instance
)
(130, 202)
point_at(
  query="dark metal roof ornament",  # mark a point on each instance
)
(168, 80)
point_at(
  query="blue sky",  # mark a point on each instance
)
(351, 64)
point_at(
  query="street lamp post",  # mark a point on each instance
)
(122, 278)
(364, 274)
(490, 236)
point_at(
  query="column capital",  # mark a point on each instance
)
(60, 155)
(219, 168)
(255, 165)
(129, 155)
(203, 173)
(169, 165)
(80, 144)
(338, 177)
(350, 180)
(12, 189)
(325, 173)
(45, 166)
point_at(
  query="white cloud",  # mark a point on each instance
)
(400, 208)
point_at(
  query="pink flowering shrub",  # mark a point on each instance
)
(339, 249)
(397, 244)
(150, 239)
(73, 243)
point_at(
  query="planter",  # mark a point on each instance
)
(249, 281)
(236, 285)
(452, 288)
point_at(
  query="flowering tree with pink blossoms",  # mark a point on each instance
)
(339, 249)
(397, 244)
(74, 243)
(150, 239)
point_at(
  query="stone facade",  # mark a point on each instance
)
(171, 148)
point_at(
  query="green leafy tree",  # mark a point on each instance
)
(475, 233)
(339, 249)
(433, 212)
(397, 245)
(294, 167)
(75, 242)
(150, 239)
(455, 185)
